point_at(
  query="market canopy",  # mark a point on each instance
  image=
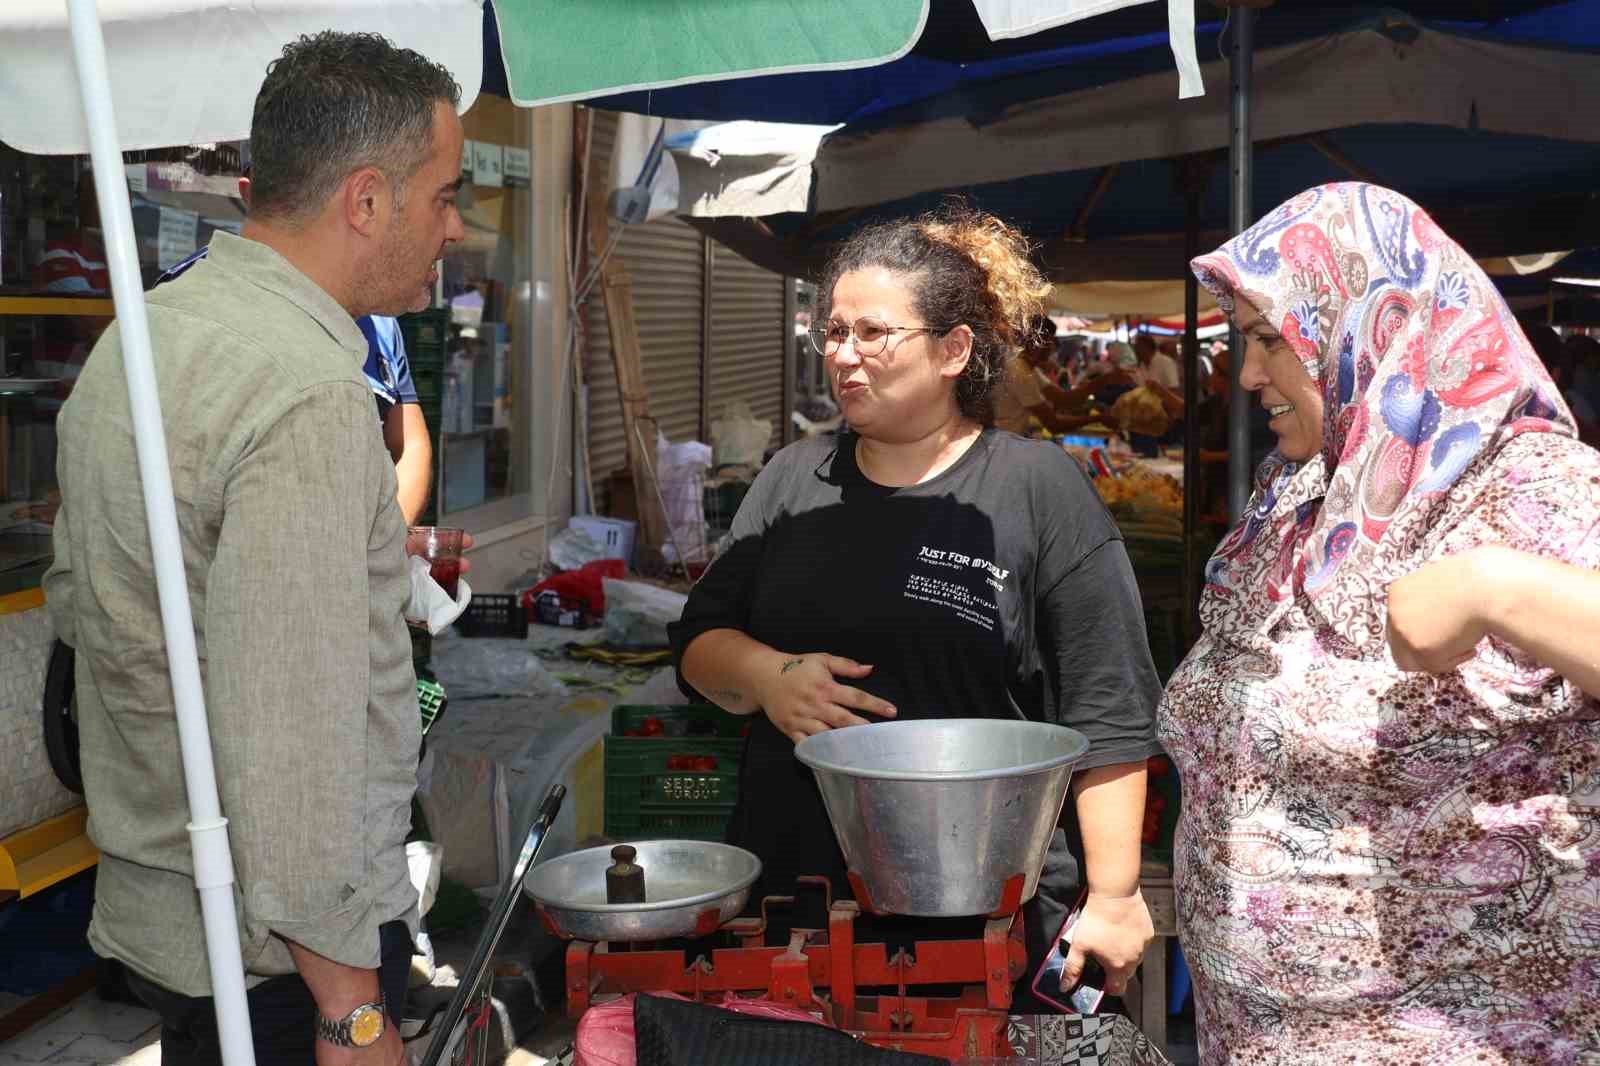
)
(1566, 291)
(1312, 75)
(166, 55)
(1505, 157)
(953, 56)
(187, 71)
(579, 49)
(1161, 302)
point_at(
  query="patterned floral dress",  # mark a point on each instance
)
(1373, 866)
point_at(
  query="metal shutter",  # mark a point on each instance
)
(748, 336)
(666, 262)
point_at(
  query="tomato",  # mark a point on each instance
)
(653, 727)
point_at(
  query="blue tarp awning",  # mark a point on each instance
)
(947, 70)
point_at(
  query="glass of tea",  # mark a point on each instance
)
(441, 546)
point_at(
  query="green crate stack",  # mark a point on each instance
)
(646, 798)
(427, 337)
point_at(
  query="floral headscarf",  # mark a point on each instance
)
(1422, 369)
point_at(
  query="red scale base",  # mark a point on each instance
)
(822, 971)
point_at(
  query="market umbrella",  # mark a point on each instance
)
(1081, 151)
(953, 57)
(653, 46)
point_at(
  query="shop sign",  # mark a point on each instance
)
(487, 164)
(176, 237)
(518, 167)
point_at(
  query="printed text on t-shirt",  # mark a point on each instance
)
(958, 596)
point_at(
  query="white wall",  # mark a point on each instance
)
(29, 791)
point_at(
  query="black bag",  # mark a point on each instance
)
(671, 1032)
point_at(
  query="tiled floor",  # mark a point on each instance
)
(88, 1030)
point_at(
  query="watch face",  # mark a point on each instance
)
(366, 1026)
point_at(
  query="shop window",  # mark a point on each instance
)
(484, 474)
(55, 301)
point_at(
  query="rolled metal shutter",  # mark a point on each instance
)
(748, 337)
(666, 262)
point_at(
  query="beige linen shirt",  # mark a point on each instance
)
(295, 553)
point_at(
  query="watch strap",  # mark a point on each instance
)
(339, 1033)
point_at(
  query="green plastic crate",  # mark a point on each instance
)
(425, 334)
(648, 779)
(676, 823)
(645, 798)
(680, 720)
(430, 701)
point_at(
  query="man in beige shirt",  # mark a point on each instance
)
(294, 548)
(1027, 393)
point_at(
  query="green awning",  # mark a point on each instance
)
(650, 44)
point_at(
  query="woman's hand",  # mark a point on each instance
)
(1437, 615)
(803, 697)
(1115, 930)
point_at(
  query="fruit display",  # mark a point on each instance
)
(1149, 511)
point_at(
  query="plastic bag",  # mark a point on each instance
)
(585, 585)
(430, 605)
(637, 615)
(575, 547)
(738, 438)
(681, 469)
(425, 860)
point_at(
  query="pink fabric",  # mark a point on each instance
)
(605, 1032)
(1372, 866)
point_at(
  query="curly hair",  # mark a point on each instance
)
(963, 267)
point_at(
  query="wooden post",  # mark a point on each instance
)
(637, 425)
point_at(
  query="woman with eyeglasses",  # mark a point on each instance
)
(924, 564)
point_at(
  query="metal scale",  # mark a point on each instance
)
(936, 819)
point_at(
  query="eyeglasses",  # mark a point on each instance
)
(872, 336)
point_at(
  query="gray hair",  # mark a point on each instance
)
(332, 104)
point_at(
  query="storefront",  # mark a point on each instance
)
(714, 330)
(486, 357)
(501, 306)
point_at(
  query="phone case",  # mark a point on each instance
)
(1085, 996)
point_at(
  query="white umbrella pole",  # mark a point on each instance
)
(208, 830)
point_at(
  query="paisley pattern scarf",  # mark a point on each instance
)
(1374, 866)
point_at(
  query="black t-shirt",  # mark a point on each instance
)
(999, 588)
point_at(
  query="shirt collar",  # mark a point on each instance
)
(261, 265)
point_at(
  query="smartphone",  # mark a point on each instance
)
(1085, 996)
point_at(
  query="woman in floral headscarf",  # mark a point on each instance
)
(1376, 866)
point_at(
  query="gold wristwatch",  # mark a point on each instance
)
(362, 1027)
